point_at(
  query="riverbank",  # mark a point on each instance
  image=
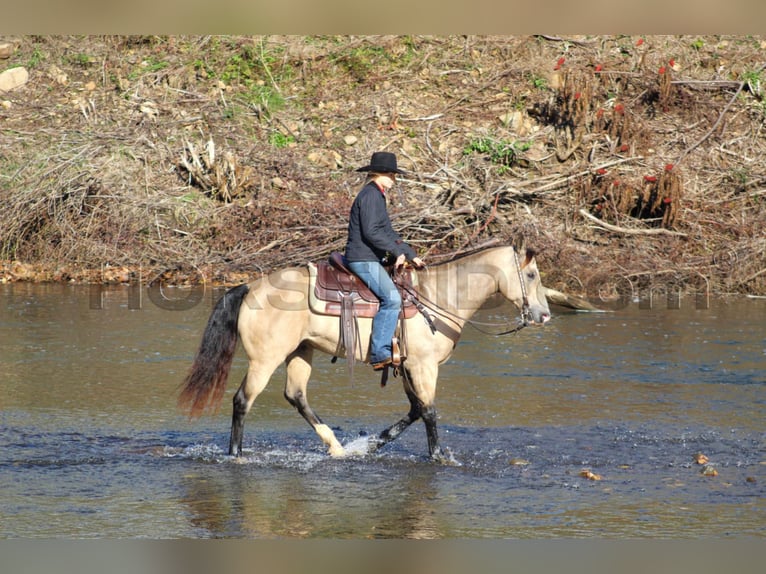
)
(623, 160)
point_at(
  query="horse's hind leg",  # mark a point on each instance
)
(399, 427)
(420, 387)
(298, 373)
(252, 385)
(238, 421)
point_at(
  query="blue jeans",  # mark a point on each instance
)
(374, 275)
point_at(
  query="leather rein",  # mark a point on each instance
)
(420, 301)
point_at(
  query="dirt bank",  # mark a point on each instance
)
(626, 161)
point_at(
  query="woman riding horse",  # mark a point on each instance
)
(273, 319)
(371, 239)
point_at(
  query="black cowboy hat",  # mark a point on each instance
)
(382, 162)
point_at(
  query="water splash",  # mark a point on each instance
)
(357, 447)
(198, 452)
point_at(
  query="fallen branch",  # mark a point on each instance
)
(629, 231)
(566, 40)
(570, 301)
(708, 83)
(692, 147)
(562, 181)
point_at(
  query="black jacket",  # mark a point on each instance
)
(370, 234)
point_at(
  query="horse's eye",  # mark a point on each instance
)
(531, 274)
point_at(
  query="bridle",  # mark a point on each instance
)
(525, 311)
(420, 301)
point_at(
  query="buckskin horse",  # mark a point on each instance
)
(274, 318)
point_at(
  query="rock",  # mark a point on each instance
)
(708, 470)
(7, 49)
(585, 473)
(149, 109)
(326, 158)
(278, 183)
(506, 118)
(58, 76)
(515, 121)
(700, 458)
(19, 271)
(13, 78)
(350, 140)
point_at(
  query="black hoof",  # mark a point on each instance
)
(440, 457)
(374, 443)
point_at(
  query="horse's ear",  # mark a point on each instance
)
(528, 257)
(519, 244)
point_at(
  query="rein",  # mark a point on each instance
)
(524, 299)
(447, 314)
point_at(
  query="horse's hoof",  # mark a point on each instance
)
(373, 444)
(446, 459)
(337, 451)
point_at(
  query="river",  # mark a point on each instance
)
(585, 428)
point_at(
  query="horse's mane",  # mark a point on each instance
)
(457, 256)
(460, 255)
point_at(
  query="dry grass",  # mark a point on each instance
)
(501, 135)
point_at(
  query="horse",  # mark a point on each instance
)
(273, 319)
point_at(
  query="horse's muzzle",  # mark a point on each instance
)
(539, 319)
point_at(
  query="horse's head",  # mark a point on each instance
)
(523, 287)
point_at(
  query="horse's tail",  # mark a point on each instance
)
(203, 387)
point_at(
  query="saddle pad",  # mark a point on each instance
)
(332, 284)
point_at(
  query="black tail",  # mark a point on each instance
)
(203, 387)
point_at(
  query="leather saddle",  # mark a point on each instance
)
(336, 283)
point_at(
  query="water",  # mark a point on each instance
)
(92, 445)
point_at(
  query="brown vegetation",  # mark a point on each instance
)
(223, 157)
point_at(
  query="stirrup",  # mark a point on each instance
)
(396, 355)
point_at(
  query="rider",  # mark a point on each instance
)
(371, 239)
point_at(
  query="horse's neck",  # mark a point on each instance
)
(461, 286)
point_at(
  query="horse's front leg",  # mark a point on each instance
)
(298, 374)
(429, 419)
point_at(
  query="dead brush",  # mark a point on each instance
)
(220, 175)
(659, 198)
(610, 118)
(665, 87)
(570, 112)
(656, 201)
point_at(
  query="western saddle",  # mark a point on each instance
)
(338, 292)
(335, 282)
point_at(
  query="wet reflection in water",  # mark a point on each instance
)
(91, 443)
